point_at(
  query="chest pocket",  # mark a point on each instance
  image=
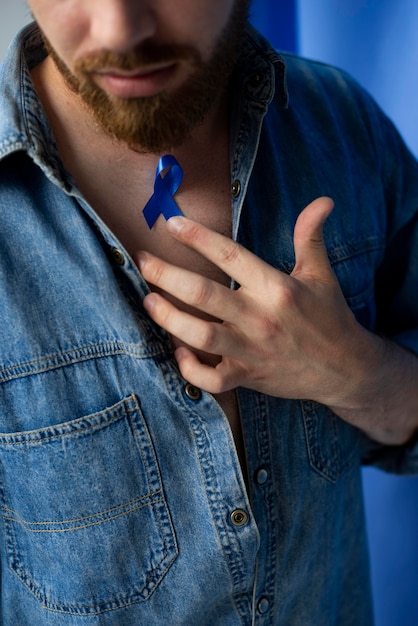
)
(87, 526)
(332, 443)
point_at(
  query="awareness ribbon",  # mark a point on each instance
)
(162, 200)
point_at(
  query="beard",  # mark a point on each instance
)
(157, 123)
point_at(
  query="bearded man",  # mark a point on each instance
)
(193, 365)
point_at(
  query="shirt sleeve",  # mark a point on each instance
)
(397, 277)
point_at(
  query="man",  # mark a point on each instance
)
(175, 450)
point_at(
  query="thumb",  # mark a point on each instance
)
(310, 252)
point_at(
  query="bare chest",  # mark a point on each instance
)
(209, 205)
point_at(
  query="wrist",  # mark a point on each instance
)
(381, 394)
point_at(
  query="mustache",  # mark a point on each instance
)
(137, 58)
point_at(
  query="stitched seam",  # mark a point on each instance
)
(40, 439)
(355, 249)
(83, 353)
(151, 501)
(18, 519)
(76, 427)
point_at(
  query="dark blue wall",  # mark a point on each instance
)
(375, 40)
(277, 21)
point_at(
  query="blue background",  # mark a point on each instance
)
(377, 42)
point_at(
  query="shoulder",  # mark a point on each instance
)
(324, 96)
(307, 77)
(304, 82)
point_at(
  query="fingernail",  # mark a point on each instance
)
(141, 259)
(149, 302)
(175, 224)
(180, 353)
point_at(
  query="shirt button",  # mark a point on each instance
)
(192, 392)
(262, 476)
(236, 189)
(118, 256)
(263, 605)
(257, 79)
(239, 517)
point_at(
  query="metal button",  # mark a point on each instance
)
(118, 256)
(236, 189)
(262, 476)
(239, 517)
(263, 605)
(192, 392)
(258, 78)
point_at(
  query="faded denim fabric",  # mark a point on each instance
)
(118, 484)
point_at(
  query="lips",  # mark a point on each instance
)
(141, 84)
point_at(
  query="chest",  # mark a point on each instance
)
(204, 196)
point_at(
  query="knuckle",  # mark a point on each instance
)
(284, 297)
(218, 382)
(230, 252)
(154, 272)
(218, 386)
(201, 293)
(164, 316)
(208, 337)
(191, 233)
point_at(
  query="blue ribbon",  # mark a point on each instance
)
(162, 200)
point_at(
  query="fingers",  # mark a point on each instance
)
(224, 377)
(247, 269)
(192, 289)
(233, 259)
(266, 332)
(203, 335)
(310, 252)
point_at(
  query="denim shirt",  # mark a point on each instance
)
(122, 498)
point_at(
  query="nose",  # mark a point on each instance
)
(120, 25)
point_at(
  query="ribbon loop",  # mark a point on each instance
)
(162, 201)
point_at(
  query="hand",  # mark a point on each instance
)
(289, 336)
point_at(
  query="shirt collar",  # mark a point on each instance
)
(23, 122)
(260, 72)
